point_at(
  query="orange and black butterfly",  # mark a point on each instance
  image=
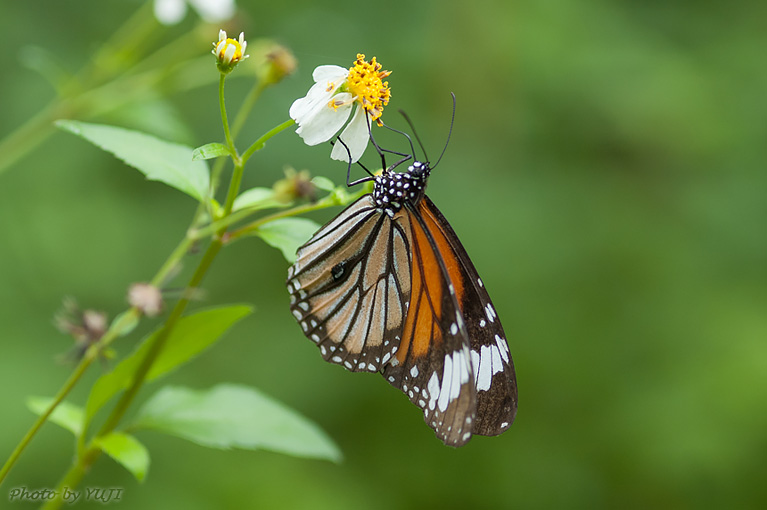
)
(386, 286)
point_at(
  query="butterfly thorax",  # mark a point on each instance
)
(392, 190)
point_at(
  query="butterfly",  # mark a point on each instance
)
(386, 286)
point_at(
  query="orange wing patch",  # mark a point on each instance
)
(422, 325)
(452, 264)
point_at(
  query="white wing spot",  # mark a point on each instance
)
(337, 359)
(433, 390)
(479, 282)
(414, 371)
(503, 348)
(490, 312)
(454, 329)
(482, 323)
(297, 314)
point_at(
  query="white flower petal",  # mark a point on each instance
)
(324, 122)
(229, 53)
(214, 10)
(303, 107)
(355, 136)
(169, 12)
(324, 74)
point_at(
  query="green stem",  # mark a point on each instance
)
(234, 189)
(224, 120)
(63, 392)
(249, 229)
(259, 144)
(73, 477)
(158, 342)
(115, 330)
(90, 355)
(27, 136)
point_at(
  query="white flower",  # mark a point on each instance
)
(170, 12)
(336, 93)
(229, 52)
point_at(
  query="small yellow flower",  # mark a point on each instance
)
(229, 52)
(336, 93)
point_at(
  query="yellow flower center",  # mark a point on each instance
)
(222, 46)
(365, 83)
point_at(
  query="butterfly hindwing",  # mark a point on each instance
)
(350, 285)
(492, 366)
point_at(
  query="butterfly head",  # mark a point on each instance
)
(392, 190)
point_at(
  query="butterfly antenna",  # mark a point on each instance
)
(418, 138)
(381, 151)
(410, 141)
(449, 133)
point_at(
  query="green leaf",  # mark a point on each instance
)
(152, 114)
(157, 159)
(234, 416)
(127, 451)
(287, 234)
(66, 415)
(257, 198)
(192, 335)
(323, 183)
(210, 151)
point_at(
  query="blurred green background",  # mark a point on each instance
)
(606, 173)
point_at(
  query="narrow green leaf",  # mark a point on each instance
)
(66, 415)
(127, 322)
(127, 451)
(287, 234)
(210, 151)
(192, 335)
(157, 159)
(323, 183)
(234, 416)
(258, 198)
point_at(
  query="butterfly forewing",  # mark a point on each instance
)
(492, 366)
(433, 364)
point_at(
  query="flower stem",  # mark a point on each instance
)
(224, 120)
(158, 342)
(259, 144)
(91, 354)
(63, 392)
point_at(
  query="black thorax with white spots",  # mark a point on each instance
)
(392, 190)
